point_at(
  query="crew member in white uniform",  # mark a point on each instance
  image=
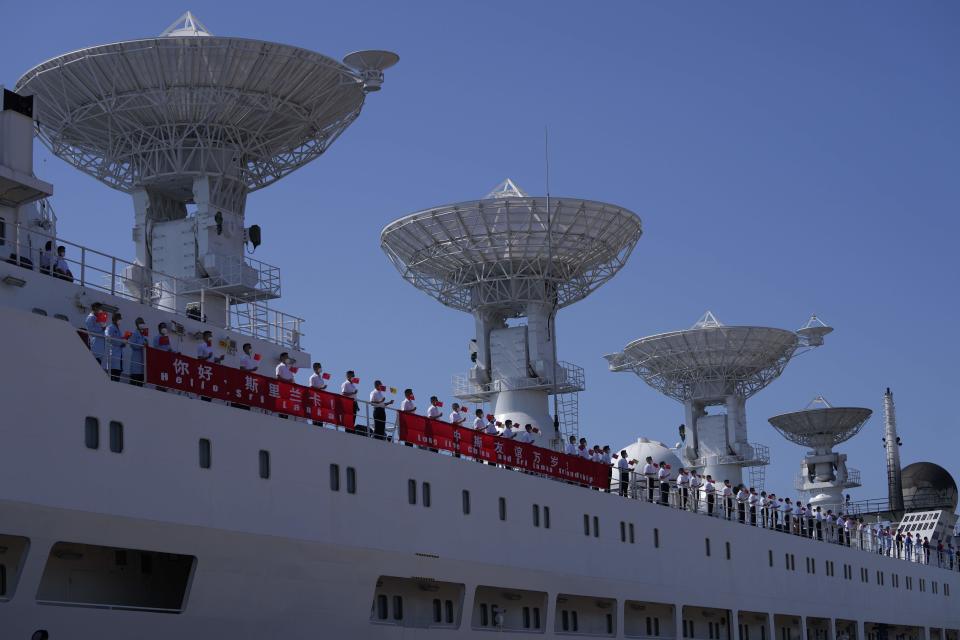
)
(710, 489)
(380, 403)
(695, 483)
(491, 428)
(650, 473)
(525, 436)
(283, 372)
(571, 448)
(433, 411)
(683, 487)
(457, 417)
(624, 467)
(478, 422)
(247, 363)
(205, 349)
(507, 431)
(663, 476)
(727, 492)
(742, 497)
(753, 500)
(316, 380)
(348, 388)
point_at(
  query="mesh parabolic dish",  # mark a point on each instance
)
(709, 362)
(494, 252)
(821, 428)
(139, 111)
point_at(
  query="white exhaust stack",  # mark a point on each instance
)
(891, 442)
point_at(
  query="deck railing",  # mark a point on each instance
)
(98, 271)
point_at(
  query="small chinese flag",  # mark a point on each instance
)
(325, 376)
(102, 316)
(439, 404)
(294, 369)
(355, 380)
(393, 389)
(257, 357)
(127, 335)
(489, 416)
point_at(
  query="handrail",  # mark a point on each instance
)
(134, 282)
(635, 486)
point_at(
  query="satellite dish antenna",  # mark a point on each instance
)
(370, 65)
(814, 331)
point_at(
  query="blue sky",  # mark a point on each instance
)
(786, 158)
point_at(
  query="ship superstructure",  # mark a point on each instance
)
(144, 511)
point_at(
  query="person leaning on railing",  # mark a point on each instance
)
(61, 268)
(663, 476)
(683, 488)
(710, 489)
(695, 483)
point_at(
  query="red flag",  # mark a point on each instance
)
(256, 357)
(325, 376)
(355, 380)
(294, 369)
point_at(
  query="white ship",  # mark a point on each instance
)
(138, 510)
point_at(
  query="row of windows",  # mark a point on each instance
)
(626, 527)
(91, 434)
(205, 457)
(790, 563)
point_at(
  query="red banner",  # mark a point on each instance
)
(177, 371)
(435, 434)
(183, 373)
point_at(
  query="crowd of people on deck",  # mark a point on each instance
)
(652, 481)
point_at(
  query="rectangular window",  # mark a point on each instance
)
(116, 436)
(596, 527)
(3, 581)
(382, 612)
(426, 494)
(503, 508)
(586, 525)
(565, 620)
(412, 491)
(398, 607)
(623, 531)
(536, 617)
(334, 477)
(770, 556)
(536, 519)
(437, 610)
(448, 609)
(205, 453)
(526, 617)
(728, 550)
(351, 480)
(484, 616)
(786, 559)
(656, 538)
(609, 624)
(465, 495)
(264, 464)
(631, 533)
(91, 432)
(546, 525)
(707, 543)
